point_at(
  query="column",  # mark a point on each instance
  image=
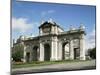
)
(82, 47)
(41, 52)
(38, 54)
(55, 49)
(52, 51)
(60, 50)
(71, 49)
(24, 57)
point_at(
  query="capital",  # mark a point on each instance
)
(81, 36)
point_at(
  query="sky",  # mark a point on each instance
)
(27, 17)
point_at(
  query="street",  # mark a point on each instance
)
(57, 67)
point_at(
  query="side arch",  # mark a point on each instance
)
(65, 51)
(47, 52)
(35, 53)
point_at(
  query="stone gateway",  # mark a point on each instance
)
(53, 43)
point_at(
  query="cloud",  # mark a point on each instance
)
(50, 11)
(47, 12)
(90, 39)
(21, 24)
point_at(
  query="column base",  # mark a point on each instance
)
(71, 59)
(53, 59)
(41, 60)
(59, 59)
(82, 58)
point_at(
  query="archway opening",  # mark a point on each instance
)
(65, 51)
(28, 56)
(76, 53)
(35, 53)
(47, 52)
(76, 49)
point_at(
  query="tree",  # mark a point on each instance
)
(92, 53)
(17, 53)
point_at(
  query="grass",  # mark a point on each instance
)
(38, 63)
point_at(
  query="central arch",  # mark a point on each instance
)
(35, 53)
(76, 53)
(65, 50)
(28, 56)
(47, 52)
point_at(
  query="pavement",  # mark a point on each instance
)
(87, 65)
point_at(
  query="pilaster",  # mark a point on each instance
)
(54, 49)
(24, 57)
(59, 50)
(41, 52)
(71, 49)
(82, 47)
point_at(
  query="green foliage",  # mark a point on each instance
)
(17, 53)
(92, 53)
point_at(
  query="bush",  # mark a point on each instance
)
(92, 53)
(17, 54)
